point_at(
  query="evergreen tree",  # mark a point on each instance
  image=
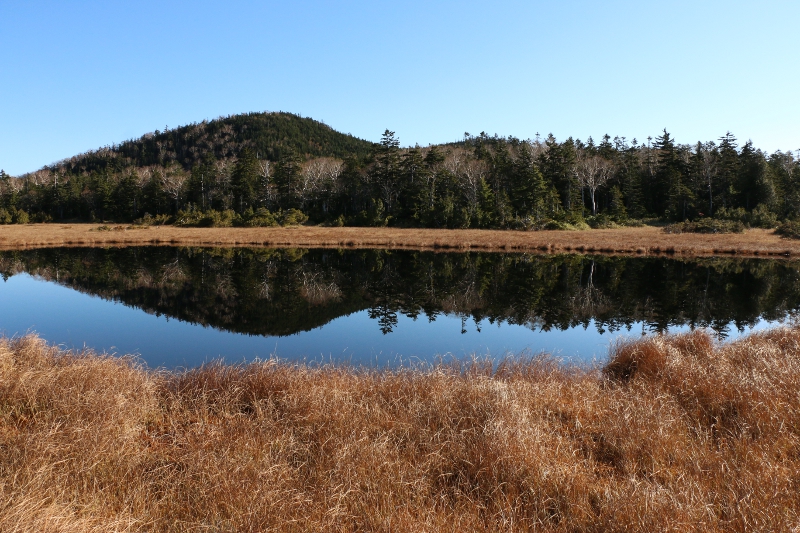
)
(674, 199)
(287, 180)
(126, 197)
(244, 180)
(557, 164)
(415, 175)
(525, 182)
(103, 199)
(792, 209)
(755, 184)
(531, 197)
(387, 171)
(616, 204)
(728, 171)
(780, 168)
(629, 176)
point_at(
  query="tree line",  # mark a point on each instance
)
(253, 169)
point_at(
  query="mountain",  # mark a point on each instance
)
(270, 135)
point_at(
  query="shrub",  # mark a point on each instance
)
(261, 218)
(789, 229)
(21, 217)
(189, 218)
(150, 220)
(12, 215)
(220, 219)
(41, 217)
(762, 217)
(207, 219)
(293, 217)
(632, 223)
(565, 226)
(731, 213)
(580, 225)
(6, 216)
(601, 221)
(555, 225)
(706, 225)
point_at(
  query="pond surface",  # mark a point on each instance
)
(180, 307)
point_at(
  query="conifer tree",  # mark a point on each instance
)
(557, 164)
(728, 170)
(387, 171)
(287, 180)
(244, 180)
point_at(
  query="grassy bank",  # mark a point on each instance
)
(674, 434)
(634, 241)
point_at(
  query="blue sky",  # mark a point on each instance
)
(76, 75)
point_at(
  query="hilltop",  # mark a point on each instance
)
(271, 135)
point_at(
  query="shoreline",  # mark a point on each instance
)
(643, 241)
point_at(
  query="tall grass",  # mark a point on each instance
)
(675, 433)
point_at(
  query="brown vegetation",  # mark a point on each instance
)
(638, 241)
(676, 433)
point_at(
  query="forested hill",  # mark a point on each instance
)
(269, 135)
(262, 169)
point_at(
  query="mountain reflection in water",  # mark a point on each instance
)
(278, 292)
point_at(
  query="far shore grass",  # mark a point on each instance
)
(674, 433)
(628, 241)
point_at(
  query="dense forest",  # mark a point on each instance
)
(282, 292)
(262, 169)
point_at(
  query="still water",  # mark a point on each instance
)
(180, 307)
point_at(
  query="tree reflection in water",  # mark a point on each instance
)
(285, 291)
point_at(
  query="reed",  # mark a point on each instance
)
(674, 433)
(627, 241)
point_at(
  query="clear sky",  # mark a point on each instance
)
(76, 75)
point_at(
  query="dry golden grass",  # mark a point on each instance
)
(676, 433)
(639, 241)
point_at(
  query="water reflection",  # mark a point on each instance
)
(279, 292)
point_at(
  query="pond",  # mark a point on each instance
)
(180, 307)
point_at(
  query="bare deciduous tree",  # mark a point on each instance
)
(173, 179)
(41, 178)
(593, 172)
(470, 179)
(222, 182)
(142, 176)
(268, 193)
(454, 160)
(319, 176)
